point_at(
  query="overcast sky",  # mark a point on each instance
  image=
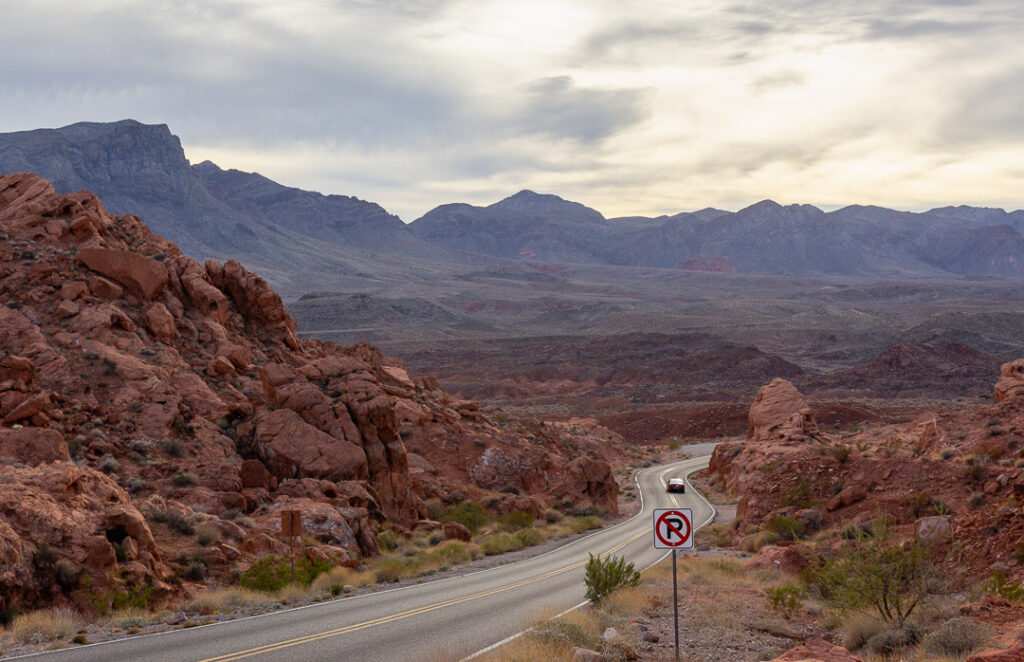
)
(628, 107)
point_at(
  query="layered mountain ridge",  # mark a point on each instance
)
(302, 240)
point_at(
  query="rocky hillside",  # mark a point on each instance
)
(954, 473)
(287, 234)
(144, 395)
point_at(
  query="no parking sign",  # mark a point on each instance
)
(673, 528)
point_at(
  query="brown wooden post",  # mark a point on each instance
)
(291, 526)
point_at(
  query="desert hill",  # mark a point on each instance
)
(144, 396)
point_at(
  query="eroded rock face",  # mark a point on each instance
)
(1011, 381)
(186, 384)
(779, 411)
(78, 514)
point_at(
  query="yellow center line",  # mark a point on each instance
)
(269, 648)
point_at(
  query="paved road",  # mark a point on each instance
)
(441, 620)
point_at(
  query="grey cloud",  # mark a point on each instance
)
(556, 107)
(915, 28)
(989, 113)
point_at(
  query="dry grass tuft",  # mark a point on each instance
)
(227, 599)
(44, 625)
(293, 593)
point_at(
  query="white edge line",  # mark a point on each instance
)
(636, 479)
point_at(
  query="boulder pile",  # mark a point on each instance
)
(144, 396)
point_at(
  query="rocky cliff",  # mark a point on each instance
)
(144, 395)
(956, 471)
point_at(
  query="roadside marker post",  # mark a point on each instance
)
(673, 529)
(291, 526)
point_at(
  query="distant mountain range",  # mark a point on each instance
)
(299, 239)
(286, 234)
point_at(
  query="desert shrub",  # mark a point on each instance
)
(947, 453)
(563, 633)
(786, 528)
(675, 445)
(515, 520)
(859, 629)
(941, 507)
(231, 514)
(172, 447)
(179, 523)
(976, 499)
(552, 516)
(45, 625)
(957, 637)
(109, 464)
(999, 585)
(140, 447)
(529, 537)
(500, 543)
(136, 485)
(389, 569)
(787, 599)
(586, 523)
(45, 557)
(270, 574)
(920, 502)
(207, 534)
(66, 574)
(801, 496)
(973, 471)
(894, 639)
(226, 599)
(185, 479)
(841, 452)
(469, 514)
(388, 540)
(608, 574)
(196, 568)
(877, 574)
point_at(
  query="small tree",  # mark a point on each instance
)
(877, 574)
(606, 575)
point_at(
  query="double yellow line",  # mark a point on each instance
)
(269, 648)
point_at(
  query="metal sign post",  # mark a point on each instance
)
(291, 526)
(673, 529)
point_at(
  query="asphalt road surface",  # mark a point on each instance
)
(447, 619)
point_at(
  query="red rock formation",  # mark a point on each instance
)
(779, 410)
(1011, 381)
(186, 385)
(818, 650)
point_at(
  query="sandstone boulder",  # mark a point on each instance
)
(936, 528)
(777, 406)
(160, 323)
(143, 276)
(33, 446)
(818, 650)
(292, 448)
(849, 496)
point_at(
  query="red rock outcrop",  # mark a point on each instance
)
(186, 400)
(779, 411)
(1011, 381)
(818, 650)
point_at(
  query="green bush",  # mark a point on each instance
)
(786, 528)
(786, 600)
(609, 574)
(587, 523)
(270, 574)
(500, 543)
(388, 540)
(999, 585)
(529, 537)
(878, 574)
(185, 479)
(469, 514)
(515, 520)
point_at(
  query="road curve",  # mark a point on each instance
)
(443, 619)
